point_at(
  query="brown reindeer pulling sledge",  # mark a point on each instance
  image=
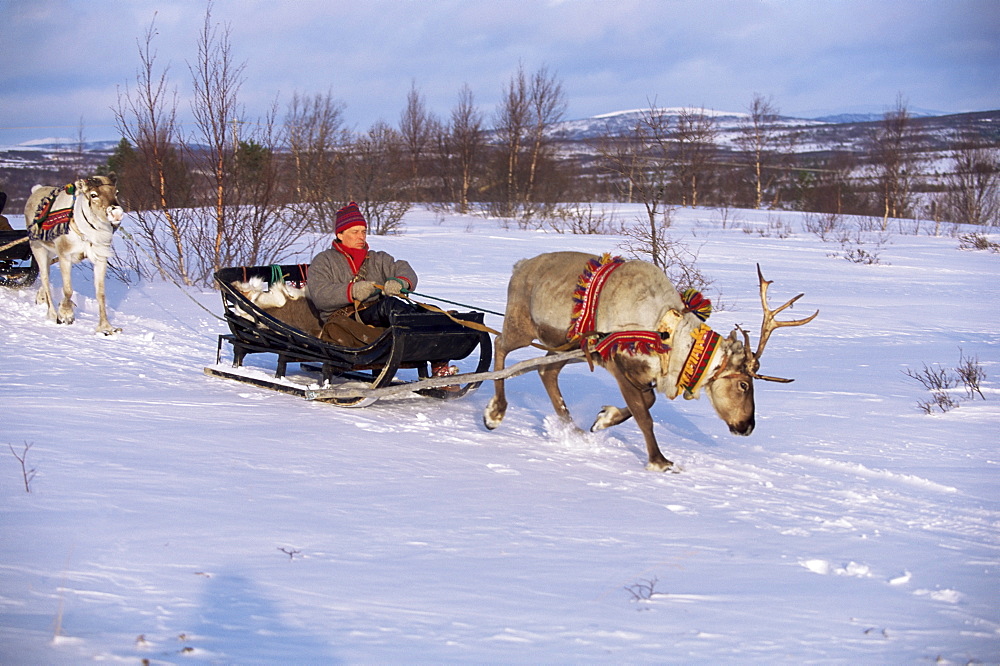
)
(640, 330)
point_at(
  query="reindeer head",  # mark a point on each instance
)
(101, 194)
(731, 387)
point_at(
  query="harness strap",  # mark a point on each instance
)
(48, 224)
(584, 317)
(476, 326)
(692, 376)
(588, 293)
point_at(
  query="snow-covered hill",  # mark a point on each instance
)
(842, 132)
(621, 123)
(172, 516)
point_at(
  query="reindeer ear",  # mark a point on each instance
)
(82, 184)
(113, 177)
(738, 345)
(734, 342)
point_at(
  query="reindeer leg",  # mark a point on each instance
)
(65, 315)
(496, 408)
(44, 294)
(638, 401)
(550, 380)
(100, 273)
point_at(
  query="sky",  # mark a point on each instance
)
(63, 63)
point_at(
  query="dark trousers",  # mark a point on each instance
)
(378, 313)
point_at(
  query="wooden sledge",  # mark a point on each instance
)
(412, 341)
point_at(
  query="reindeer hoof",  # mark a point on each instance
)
(491, 422)
(492, 416)
(108, 332)
(663, 465)
(608, 416)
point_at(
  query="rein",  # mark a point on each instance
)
(461, 305)
(125, 234)
(483, 328)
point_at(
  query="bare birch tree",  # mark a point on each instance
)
(527, 111)
(146, 117)
(262, 232)
(758, 138)
(547, 103)
(893, 151)
(511, 123)
(417, 128)
(373, 179)
(973, 195)
(466, 147)
(217, 79)
(694, 137)
(641, 167)
(247, 222)
(316, 140)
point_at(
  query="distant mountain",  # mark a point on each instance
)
(843, 118)
(62, 144)
(622, 122)
(843, 131)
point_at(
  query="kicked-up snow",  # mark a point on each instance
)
(176, 517)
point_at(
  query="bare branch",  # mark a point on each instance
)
(27, 474)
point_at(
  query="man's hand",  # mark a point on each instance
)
(361, 290)
(393, 287)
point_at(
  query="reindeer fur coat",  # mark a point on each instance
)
(331, 273)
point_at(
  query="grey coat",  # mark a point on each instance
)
(330, 276)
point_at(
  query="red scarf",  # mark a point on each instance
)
(355, 257)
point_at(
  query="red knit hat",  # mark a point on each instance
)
(349, 216)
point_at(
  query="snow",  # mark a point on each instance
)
(175, 517)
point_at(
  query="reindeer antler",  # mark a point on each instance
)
(767, 326)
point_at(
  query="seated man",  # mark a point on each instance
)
(350, 285)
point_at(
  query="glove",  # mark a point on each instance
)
(360, 291)
(393, 287)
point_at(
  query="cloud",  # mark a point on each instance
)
(608, 55)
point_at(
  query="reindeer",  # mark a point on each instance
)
(640, 330)
(74, 223)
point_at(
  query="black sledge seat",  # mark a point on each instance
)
(17, 265)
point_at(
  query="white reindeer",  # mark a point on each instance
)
(74, 223)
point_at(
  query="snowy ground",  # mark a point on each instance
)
(173, 516)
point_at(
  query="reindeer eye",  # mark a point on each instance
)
(745, 386)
